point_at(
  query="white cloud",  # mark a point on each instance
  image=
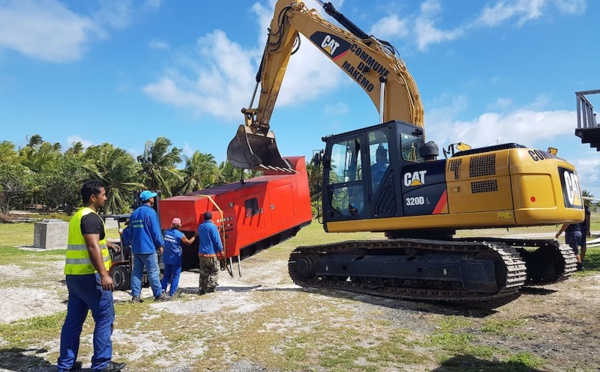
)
(571, 6)
(501, 104)
(336, 109)
(390, 26)
(44, 29)
(187, 151)
(423, 26)
(522, 10)
(588, 170)
(121, 14)
(217, 85)
(426, 30)
(49, 31)
(521, 125)
(76, 138)
(223, 81)
(159, 44)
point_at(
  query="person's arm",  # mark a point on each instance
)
(189, 241)
(217, 242)
(562, 229)
(587, 224)
(92, 241)
(126, 236)
(157, 236)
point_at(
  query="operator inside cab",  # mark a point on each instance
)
(380, 166)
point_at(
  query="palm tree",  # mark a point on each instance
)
(8, 154)
(75, 149)
(588, 198)
(34, 141)
(158, 164)
(228, 173)
(118, 170)
(200, 172)
(39, 156)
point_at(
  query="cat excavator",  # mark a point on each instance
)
(387, 178)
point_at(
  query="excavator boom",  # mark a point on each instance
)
(371, 63)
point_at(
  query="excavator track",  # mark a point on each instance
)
(323, 266)
(547, 261)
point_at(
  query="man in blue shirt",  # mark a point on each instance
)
(380, 166)
(573, 239)
(210, 250)
(172, 255)
(146, 241)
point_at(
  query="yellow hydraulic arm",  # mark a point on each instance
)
(371, 63)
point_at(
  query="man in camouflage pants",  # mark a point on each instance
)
(210, 250)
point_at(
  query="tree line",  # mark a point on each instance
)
(41, 173)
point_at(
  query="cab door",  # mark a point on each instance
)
(344, 193)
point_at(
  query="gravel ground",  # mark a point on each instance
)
(559, 323)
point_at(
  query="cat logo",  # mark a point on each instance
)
(571, 190)
(414, 178)
(335, 47)
(329, 44)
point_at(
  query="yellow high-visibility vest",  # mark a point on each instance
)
(78, 257)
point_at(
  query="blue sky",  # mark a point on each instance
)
(129, 71)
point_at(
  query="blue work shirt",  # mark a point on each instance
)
(146, 236)
(172, 252)
(210, 241)
(126, 236)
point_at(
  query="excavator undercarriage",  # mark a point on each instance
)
(460, 270)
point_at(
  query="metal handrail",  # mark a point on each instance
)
(586, 117)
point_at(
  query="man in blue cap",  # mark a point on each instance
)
(146, 241)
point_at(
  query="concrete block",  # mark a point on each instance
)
(51, 234)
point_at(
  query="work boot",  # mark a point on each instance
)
(201, 292)
(136, 299)
(580, 267)
(111, 367)
(210, 290)
(163, 297)
(76, 366)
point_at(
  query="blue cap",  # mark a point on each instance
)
(145, 195)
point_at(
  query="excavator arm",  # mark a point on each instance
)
(373, 64)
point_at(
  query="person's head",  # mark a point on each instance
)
(207, 216)
(429, 151)
(147, 196)
(381, 154)
(176, 223)
(93, 194)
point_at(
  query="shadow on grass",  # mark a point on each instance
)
(469, 363)
(16, 359)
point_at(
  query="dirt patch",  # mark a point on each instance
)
(557, 324)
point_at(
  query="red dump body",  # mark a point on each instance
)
(252, 216)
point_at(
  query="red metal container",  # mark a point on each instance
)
(251, 216)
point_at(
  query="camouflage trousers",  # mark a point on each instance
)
(209, 273)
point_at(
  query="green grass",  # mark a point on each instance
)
(326, 333)
(502, 327)
(23, 334)
(16, 234)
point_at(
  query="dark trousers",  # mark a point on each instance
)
(209, 273)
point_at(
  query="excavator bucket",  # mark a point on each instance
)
(249, 150)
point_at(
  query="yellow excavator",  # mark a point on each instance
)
(387, 178)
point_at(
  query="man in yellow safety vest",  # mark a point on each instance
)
(89, 283)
